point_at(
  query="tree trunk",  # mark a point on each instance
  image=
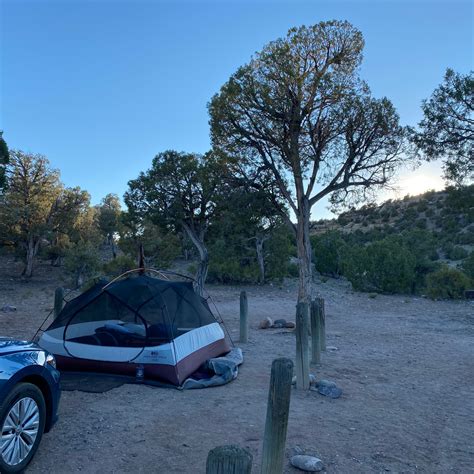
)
(31, 250)
(111, 242)
(304, 253)
(203, 267)
(80, 277)
(261, 261)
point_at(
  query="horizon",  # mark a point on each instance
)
(101, 87)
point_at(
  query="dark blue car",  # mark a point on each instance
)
(29, 398)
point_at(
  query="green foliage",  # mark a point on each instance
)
(29, 203)
(293, 270)
(278, 250)
(457, 253)
(233, 258)
(180, 192)
(119, 265)
(447, 283)
(385, 266)
(82, 262)
(328, 251)
(4, 159)
(229, 264)
(447, 128)
(465, 238)
(108, 216)
(160, 248)
(468, 267)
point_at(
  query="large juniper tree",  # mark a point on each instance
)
(299, 111)
(447, 128)
(179, 192)
(35, 205)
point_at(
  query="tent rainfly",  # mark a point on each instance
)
(138, 321)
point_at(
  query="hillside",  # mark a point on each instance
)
(419, 244)
(447, 215)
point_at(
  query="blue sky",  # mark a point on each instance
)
(100, 87)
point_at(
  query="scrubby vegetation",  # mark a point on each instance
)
(240, 213)
(417, 245)
(414, 245)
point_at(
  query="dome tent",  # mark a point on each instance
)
(136, 320)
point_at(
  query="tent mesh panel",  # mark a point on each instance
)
(135, 312)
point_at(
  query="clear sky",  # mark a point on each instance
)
(100, 87)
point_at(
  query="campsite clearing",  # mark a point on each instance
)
(405, 366)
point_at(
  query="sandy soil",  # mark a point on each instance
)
(405, 364)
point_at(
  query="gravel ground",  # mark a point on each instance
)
(405, 365)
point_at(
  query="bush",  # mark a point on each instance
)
(231, 271)
(328, 250)
(456, 253)
(119, 265)
(447, 283)
(82, 262)
(293, 270)
(466, 238)
(384, 266)
(278, 249)
(468, 266)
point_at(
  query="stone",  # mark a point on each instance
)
(307, 463)
(328, 389)
(8, 308)
(332, 348)
(312, 379)
(278, 326)
(290, 325)
(266, 323)
(280, 321)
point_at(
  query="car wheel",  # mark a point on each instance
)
(22, 421)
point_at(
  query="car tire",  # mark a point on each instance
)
(29, 397)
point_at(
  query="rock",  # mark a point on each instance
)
(328, 389)
(278, 326)
(332, 348)
(290, 325)
(266, 323)
(8, 308)
(280, 321)
(307, 463)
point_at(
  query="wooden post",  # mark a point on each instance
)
(229, 459)
(322, 322)
(315, 334)
(302, 356)
(244, 309)
(58, 301)
(277, 416)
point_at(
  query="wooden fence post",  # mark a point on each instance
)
(229, 459)
(302, 356)
(244, 309)
(315, 334)
(58, 301)
(322, 322)
(276, 423)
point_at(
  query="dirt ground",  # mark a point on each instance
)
(405, 365)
